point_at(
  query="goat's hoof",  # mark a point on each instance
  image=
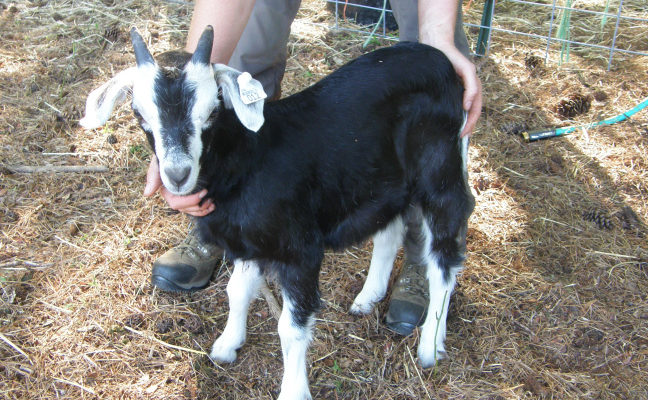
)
(228, 356)
(429, 358)
(294, 395)
(361, 308)
(363, 305)
(223, 353)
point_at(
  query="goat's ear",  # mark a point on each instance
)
(102, 100)
(242, 93)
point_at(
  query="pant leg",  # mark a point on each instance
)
(261, 51)
(406, 14)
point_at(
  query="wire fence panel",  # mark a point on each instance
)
(602, 30)
(365, 14)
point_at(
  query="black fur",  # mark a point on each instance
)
(176, 97)
(336, 163)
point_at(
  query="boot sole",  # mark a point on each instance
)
(402, 328)
(168, 286)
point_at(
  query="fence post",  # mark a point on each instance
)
(484, 30)
(551, 22)
(616, 32)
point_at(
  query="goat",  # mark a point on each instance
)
(374, 148)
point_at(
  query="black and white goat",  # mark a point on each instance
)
(374, 148)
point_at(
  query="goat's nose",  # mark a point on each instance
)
(177, 175)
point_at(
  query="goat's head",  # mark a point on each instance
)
(175, 105)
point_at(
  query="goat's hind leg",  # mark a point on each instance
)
(299, 287)
(441, 278)
(242, 287)
(295, 338)
(385, 247)
(443, 234)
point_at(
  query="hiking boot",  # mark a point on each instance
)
(186, 267)
(409, 300)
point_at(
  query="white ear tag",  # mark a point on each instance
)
(249, 90)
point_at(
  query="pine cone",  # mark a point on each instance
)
(576, 104)
(112, 33)
(600, 218)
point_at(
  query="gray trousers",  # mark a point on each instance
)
(262, 52)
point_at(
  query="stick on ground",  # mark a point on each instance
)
(27, 169)
(273, 305)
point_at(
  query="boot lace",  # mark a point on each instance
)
(413, 280)
(193, 247)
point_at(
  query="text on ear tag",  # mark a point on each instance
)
(249, 90)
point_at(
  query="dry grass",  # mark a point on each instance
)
(549, 304)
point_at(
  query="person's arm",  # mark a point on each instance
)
(228, 18)
(437, 20)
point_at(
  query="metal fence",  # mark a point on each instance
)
(603, 29)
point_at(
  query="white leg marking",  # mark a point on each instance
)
(433, 332)
(294, 343)
(385, 246)
(241, 290)
(463, 143)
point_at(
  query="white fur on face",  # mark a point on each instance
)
(201, 79)
(144, 102)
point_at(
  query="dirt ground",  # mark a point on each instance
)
(552, 302)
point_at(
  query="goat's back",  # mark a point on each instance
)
(337, 162)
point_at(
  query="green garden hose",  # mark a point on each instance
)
(555, 132)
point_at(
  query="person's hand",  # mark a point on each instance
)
(472, 98)
(437, 19)
(189, 204)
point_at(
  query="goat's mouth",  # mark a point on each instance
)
(180, 191)
(186, 189)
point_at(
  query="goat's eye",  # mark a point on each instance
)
(142, 122)
(210, 119)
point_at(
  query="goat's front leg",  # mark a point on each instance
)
(385, 247)
(241, 290)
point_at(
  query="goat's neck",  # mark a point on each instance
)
(231, 155)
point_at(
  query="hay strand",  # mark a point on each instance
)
(548, 304)
(49, 169)
(15, 347)
(80, 386)
(165, 344)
